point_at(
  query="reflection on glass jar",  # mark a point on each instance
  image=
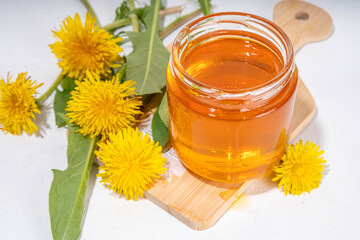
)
(231, 90)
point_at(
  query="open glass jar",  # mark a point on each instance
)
(231, 91)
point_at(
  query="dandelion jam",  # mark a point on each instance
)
(231, 90)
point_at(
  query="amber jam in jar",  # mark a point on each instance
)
(231, 90)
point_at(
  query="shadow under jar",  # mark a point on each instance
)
(231, 90)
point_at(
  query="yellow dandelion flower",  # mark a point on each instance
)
(131, 162)
(17, 105)
(300, 169)
(87, 47)
(103, 107)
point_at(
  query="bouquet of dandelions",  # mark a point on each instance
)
(102, 97)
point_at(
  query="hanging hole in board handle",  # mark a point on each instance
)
(302, 16)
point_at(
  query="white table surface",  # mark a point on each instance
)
(330, 69)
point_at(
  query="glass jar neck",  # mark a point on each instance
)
(233, 24)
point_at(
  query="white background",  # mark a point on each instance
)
(330, 69)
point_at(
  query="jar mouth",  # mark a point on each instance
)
(245, 22)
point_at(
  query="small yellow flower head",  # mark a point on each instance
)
(131, 162)
(87, 47)
(103, 107)
(17, 105)
(300, 169)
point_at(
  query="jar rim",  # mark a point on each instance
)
(288, 64)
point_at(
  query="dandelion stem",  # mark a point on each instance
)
(134, 18)
(47, 94)
(117, 24)
(171, 10)
(177, 23)
(127, 21)
(91, 10)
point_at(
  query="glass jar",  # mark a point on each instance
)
(231, 90)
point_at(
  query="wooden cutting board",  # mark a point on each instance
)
(199, 202)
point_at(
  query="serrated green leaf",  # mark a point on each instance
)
(205, 6)
(138, 11)
(147, 17)
(142, 13)
(163, 110)
(147, 63)
(122, 12)
(159, 130)
(160, 122)
(61, 99)
(67, 192)
(121, 71)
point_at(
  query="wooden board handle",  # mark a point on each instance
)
(303, 22)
